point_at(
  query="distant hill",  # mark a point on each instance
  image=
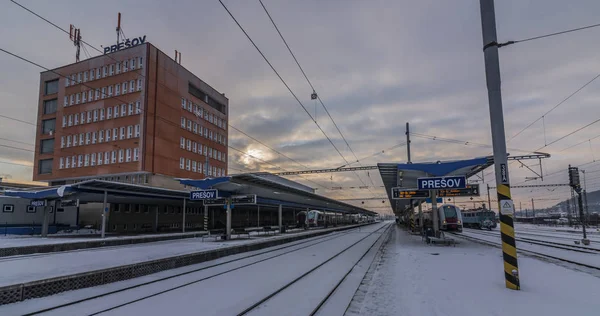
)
(593, 202)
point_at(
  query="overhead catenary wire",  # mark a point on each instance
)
(311, 86)
(285, 84)
(548, 35)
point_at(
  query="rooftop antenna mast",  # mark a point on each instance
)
(75, 36)
(118, 28)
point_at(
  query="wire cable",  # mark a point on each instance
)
(548, 35)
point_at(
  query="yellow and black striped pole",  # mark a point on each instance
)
(507, 234)
(505, 204)
(412, 222)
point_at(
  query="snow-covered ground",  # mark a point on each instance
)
(468, 280)
(563, 229)
(233, 286)
(19, 269)
(25, 240)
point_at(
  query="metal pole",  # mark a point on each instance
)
(434, 212)
(408, 142)
(44, 223)
(421, 218)
(533, 210)
(489, 198)
(104, 213)
(228, 232)
(505, 205)
(258, 217)
(280, 213)
(183, 220)
(581, 216)
(205, 218)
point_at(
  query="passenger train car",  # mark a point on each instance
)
(450, 217)
(479, 218)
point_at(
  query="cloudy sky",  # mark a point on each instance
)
(375, 64)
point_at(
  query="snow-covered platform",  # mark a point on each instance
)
(413, 278)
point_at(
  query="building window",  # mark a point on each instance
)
(102, 114)
(118, 68)
(109, 113)
(66, 102)
(47, 146)
(93, 160)
(45, 166)
(113, 157)
(89, 117)
(189, 145)
(136, 154)
(138, 107)
(103, 92)
(112, 69)
(84, 97)
(183, 122)
(72, 99)
(189, 105)
(189, 125)
(104, 71)
(183, 103)
(115, 134)
(124, 86)
(120, 155)
(106, 158)
(110, 91)
(67, 163)
(125, 65)
(61, 164)
(131, 85)
(8, 208)
(116, 111)
(132, 63)
(75, 141)
(97, 97)
(87, 138)
(67, 81)
(92, 72)
(48, 126)
(94, 137)
(51, 87)
(108, 135)
(137, 130)
(118, 89)
(187, 164)
(78, 77)
(71, 119)
(73, 161)
(68, 141)
(200, 149)
(195, 128)
(100, 158)
(87, 160)
(50, 106)
(77, 120)
(181, 163)
(195, 147)
(130, 109)
(100, 136)
(81, 139)
(77, 98)
(128, 155)
(85, 76)
(129, 131)
(123, 110)
(182, 143)
(82, 117)
(96, 115)
(139, 85)
(122, 133)
(194, 166)
(140, 62)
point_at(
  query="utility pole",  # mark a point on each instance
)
(533, 210)
(408, 142)
(505, 204)
(489, 198)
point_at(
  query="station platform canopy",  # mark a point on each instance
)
(271, 190)
(406, 175)
(274, 190)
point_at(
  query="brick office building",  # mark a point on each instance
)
(134, 116)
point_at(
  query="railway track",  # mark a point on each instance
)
(532, 252)
(296, 246)
(557, 245)
(256, 306)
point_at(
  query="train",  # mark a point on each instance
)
(315, 218)
(449, 218)
(479, 218)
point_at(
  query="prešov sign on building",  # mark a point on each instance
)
(437, 183)
(204, 195)
(126, 43)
